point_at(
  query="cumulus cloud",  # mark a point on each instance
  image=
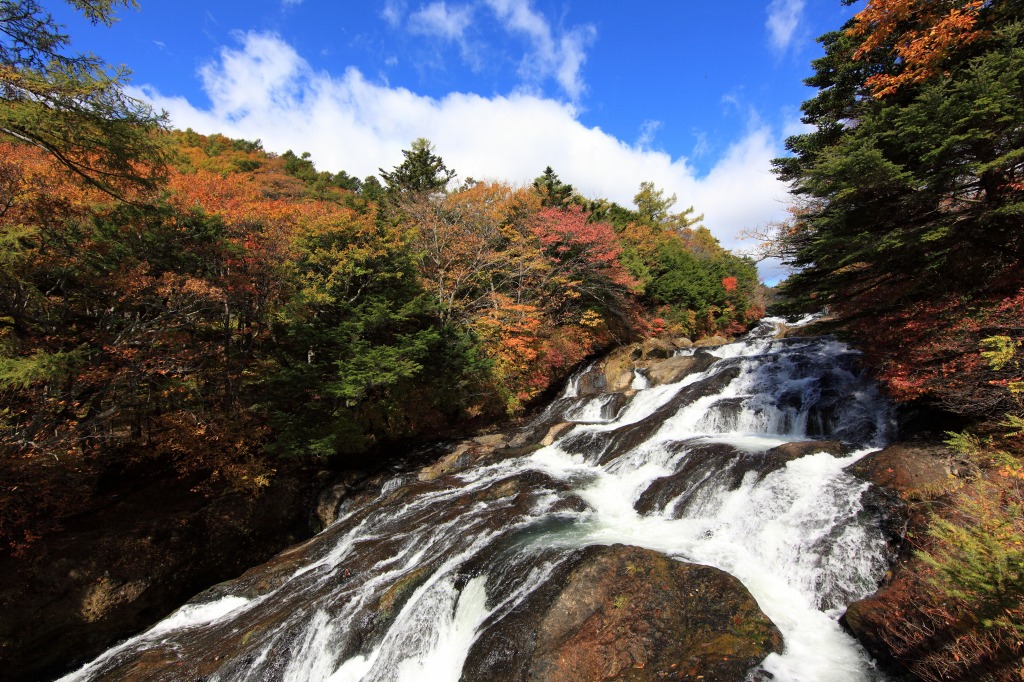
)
(264, 89)
(784, 17)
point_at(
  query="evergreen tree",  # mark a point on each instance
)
(554, 193)
(909, 193)
(654, 208)
(423, 171)
(73, 105)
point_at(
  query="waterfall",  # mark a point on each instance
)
(406, 579)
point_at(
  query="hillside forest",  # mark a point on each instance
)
(197, 304)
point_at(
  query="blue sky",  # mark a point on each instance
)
(697, 97)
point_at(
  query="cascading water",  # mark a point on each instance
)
(405, 581)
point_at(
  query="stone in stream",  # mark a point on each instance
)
(606, 446)
(673, 369)
(627, 613)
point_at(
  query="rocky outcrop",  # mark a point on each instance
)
(656, 358)
(627, 613)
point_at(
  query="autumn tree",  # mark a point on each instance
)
(473, 243)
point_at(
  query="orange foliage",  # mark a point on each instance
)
(920, 50)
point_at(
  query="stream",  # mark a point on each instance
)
(407, 579)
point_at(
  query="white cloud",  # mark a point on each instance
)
(648, 130)
(559, 57)
(701, 147)
(265, 90)
(438, 20)
(393, 12)
(784, 17)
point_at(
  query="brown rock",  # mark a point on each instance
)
(618, 371)
(592, 382)
(491, 440)
(682, 342)
(656, 349)
(554, 432)
(790, 451)
(671, 370)
(912, 470)
(871, 619)
(708, 341)
(455, 460)
(627, 613)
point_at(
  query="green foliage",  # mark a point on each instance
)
(979, 559)
(963, 443)
(422, 171)
(554, 193)
(999, 351)
(304, 169)
(654, 208)
(39, 367)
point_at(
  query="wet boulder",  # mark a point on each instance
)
(333, 496)
(674, 492)
(618, 370)
(627, 613)
(780, 455)
(592, 382)
(912, 470)
(673, 369)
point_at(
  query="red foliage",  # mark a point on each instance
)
(930, 349)
(578, 246)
